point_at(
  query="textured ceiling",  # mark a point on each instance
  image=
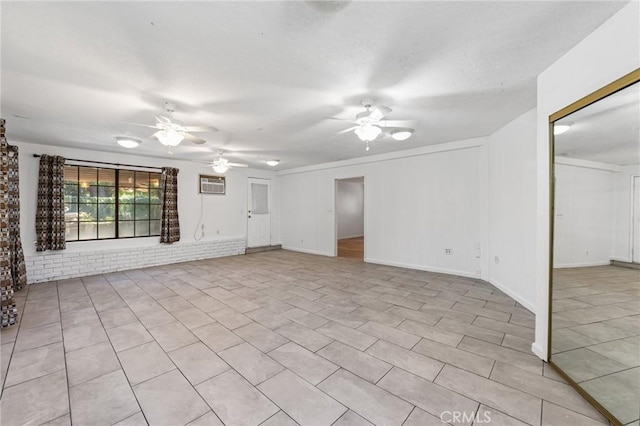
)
(607, 131)
(268, 74)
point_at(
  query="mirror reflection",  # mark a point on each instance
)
(595, 336)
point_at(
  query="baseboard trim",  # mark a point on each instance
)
(512, 294)
(582, 265)
(422, 268)
(538, 351)
(307, 251)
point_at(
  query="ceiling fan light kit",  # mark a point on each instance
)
(127, 142)
(401, 134)
(169, 137)
(368, 132)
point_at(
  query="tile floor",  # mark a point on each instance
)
(277, 338)
(596, 334)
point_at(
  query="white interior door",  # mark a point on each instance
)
(636, 219)
(259, 213)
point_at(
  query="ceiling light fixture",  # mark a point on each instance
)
(126, 142)
(559, 129)
(169, 137)
(220, 168)
(272, 163)
(402, 134)
(368, 132)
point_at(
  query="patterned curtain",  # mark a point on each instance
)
(170, 226)
(50, 228)
(18, 267)
(8, 311)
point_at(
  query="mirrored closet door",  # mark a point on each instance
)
(595, 290)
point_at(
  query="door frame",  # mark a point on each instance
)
(269, 201)
(634, 250)
(335, 212)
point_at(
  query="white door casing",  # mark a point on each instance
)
(259, 213)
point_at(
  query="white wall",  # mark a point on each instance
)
(350, 209)
(584, 215)
(417, 203)
(611, 51)
(225, 216)
(623, 196)
(512, 186)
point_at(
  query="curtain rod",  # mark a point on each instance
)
(104, 162)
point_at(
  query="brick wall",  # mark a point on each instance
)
(57, 265)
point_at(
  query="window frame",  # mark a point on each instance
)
(117, 187)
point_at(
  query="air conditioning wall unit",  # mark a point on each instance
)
(212, 185)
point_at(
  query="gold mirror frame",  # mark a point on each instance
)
(611, 88)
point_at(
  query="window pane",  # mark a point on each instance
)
(142, 228)
(142, 179)
(107, 192)
(154, 180)
(87, 194)
(155, 211)
(154, 227)
(142, 196)
(71, 231)
(154, 196)
(125, 194)
(70, 193)
(88, 176)
(88, 230)
(88, 212)
(126, 212)
(107, 177)
(71, 174)
(259, 198)
(70, 213)
(126, 177)
(107, 230)
(142, 211)
(125, 229)
(106, 212)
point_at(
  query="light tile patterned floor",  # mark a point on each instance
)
(596, 334)
(277, 338)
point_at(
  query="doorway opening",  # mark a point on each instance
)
(349, 211)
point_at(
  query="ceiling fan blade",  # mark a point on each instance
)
(350, 129)
(140, 124)
(379, 112)
(193, 139)
(339, 119)
(197, 129)
(155, 135)
(237, 165)
(397, 123)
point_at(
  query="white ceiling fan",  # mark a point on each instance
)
(222, 165)
(369, 125)
(171, 132)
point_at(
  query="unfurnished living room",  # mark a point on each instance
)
(320, 213)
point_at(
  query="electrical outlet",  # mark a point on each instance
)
(448, 251)
(496, 259)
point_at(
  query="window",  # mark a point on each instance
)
(102, 203)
